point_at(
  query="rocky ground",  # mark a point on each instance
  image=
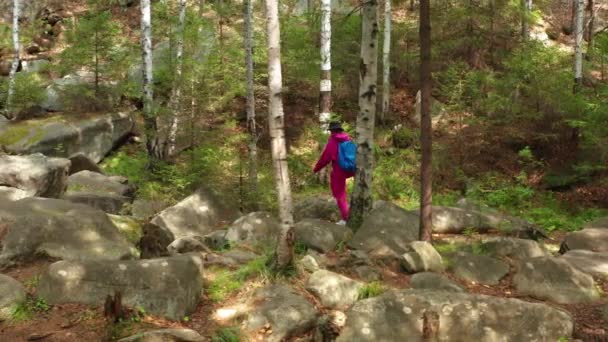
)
(83, 259)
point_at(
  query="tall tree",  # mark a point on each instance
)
(591, 26)
(578, 43)
(284, 252)
(325, 86)
(177, 83)
(368, 71)
(425, 125)
(153, 144)
(525, 19)
(251, 122)
(386, 61)
(15, 64)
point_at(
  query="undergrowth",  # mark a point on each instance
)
(372, 289)
(28, 308)
(226, 282)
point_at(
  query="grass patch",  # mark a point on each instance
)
(28, 308)
(447, 248)
(32, 283)
(227, 334)
(227, 282)
(373, 289)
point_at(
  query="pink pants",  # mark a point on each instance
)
(338, 190)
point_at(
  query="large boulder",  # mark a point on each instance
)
(434, 281)
(60, 229)
(323, 208)
(256, 226)
(321, 235)
(80, 162)
(12, 293)
(144, 209)
(197, 215)
(131, 228)
(599, 223)
(165, 335)
(554, 279)
(422, 257)
(335, 291)
(480, 269)
(12, 194)
(397, 316)
(53, 100)
(168, 287)
(591, 239)
(284, 311)
(59, 136)
(35, 174)
(513, 248)
(98, 191)
(386, 232)
(588, 261)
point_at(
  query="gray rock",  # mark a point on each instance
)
(187, 244)
(169, 287)
(197, 215)
(480, 269)
(334, 290)
(240, 256)
(278, 306)
(434, 281)
(309, 264)
(98, 191)
(367, 273)
(321, 235)
(256, 226)
(11, 293)
(589, 262)
(397, 316)
(94, 137)
(323, 208)
(35, 174)
(146, 209)
(53, 101)
(166, 335)
(109, 203)
(131, 228)
(60, 229)
(80, 162)
(422, 257)
(386, 232)
(599, 223)
(554, 279)
(513, 248)
(12, 194)
(591, 239)
(216, 239)
(35, 65)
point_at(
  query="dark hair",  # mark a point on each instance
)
(335, 126)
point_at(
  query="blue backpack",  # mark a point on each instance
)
(347, 156)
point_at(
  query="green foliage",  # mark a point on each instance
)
(227, 334)
(372, 289)
(28, 91)
(395, 178)
(27, 309)
(227, 282)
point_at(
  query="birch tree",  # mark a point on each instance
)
(284, 252)
(176, 92)
(578, 43)
(425, 125)
(386, 61)
(362, 192)
(525, 19)
(15, 64)
(153, 144)
(251, 122)
(325, 86)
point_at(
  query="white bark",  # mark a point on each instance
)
(155, 150)
(578, 39)
(362, 192)
(251, 122)
(15, 65)
(277, 135)
(325, 86)
(386, 61)
(176, 96)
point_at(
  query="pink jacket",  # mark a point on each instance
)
(330, 154)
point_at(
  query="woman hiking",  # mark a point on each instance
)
(338, 174)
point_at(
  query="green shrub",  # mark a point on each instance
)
(227, 334)
(373, 289)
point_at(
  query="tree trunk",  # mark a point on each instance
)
(425, 125)
(15, 65)
(578, 41)
(153, 144)
(368, 70)
(525, 19)
(386, 62)
(251, 123)
(325, 86)
(201, 7)
(283, 259)
(591, 26)
(176, 93)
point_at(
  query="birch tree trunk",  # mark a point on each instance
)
(525, 24)
(578, 41)
(251, 123)
(368, 71)
(425, 125)
(284, 252)
(153, 144)
(177, 84)
(15, 65)
(386, 61)
(325, 86)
